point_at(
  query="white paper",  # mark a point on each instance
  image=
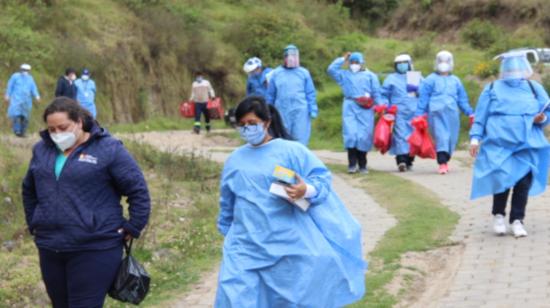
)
(414, 77)
(279, 190)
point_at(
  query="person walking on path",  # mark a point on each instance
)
(292, 92)
(86, 91)
(65, 84)
(72, 195)
(258, 77)
(276, 254)
(397, 92)
(20, 91)
(508, 141)
(361, 89)
(441, 96)
(201, 93)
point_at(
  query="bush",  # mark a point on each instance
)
(480, 34)
(486, 69)
(422, 47)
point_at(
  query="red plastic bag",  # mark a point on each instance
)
(187, 109)
(420, 141)
(365, 101)
(382, 132)
(215, 108)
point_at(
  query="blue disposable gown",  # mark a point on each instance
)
(394, 91)
(21, 89)
(357, 122)
(257, 84)
(442, 97)
(276, 255)
(85, 94)
(511, 144)
(292, 92)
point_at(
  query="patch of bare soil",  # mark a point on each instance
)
(425, 277)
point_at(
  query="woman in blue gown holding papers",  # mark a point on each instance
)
(276, 254)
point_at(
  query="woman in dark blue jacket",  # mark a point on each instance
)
(72, 198)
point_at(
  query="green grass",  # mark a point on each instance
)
(423, 223)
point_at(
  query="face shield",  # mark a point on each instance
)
(514, 65)
(444, 62)
(292, 58)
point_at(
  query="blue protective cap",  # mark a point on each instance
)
(86, 72)
(356, 57)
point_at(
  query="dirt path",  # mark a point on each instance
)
(493, 271)
(361, 205)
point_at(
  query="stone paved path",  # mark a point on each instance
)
(360, 204)
(494, 271)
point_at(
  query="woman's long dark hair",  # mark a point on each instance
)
(264, 111)
(74, 111)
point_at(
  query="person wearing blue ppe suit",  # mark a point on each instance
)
(258, 77)
(361, 89)
(292, 91)
(274, 253)
(20, 91)
(441, 96)
(85, 92)
(508, 141)
(398, 93)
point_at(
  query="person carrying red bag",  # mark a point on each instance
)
(361, 89)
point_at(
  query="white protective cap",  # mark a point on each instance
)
(25, 67)
(251, 64)
(403, 58)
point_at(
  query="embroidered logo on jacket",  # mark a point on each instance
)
(87, 158)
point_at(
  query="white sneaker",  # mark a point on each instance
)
(499, 226)
(517, 229)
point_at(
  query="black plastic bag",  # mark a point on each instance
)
(132, 281)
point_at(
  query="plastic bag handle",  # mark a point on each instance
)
(128, 247)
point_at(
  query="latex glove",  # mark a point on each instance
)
(298, 190)
(380, 108)
(313, 114)
(38, 99)
(412, 88)
(392, 110)
(6, 99)
(471, 120)
(539, 118)
(474, 147)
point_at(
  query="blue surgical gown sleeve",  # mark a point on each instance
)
(271, 91)
(9, 88)
(482, 112)
(542, 97)
(386, 90)
(315, 173)
(376, 93)
(248, 87)
(94, 89)
(425, 92)
(335, 69)
(311, 96)
(34, 88)
(463, 101)
(227, 203)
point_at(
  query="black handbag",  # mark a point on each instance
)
(132, 281)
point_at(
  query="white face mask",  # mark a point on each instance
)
(64, 140)
(85, 77)
(444, 67)
(355, 67)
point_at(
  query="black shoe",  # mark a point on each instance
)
(208, 129)
(196, 130)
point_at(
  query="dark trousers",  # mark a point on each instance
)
(443, 157)
(519, 199)
(355, 156)
(19, 125)
(404, 158)
(202, 108)
(79, 279)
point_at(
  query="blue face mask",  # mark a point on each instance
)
(253, 134)
(199, 79)
(402, 68)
